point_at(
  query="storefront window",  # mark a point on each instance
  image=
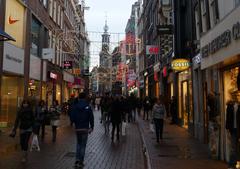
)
(231, 94)
(185, 98)
(12, 96)
(58, 93)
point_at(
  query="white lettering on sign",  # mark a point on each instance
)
(53, 75)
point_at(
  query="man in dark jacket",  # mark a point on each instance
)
(82, 116)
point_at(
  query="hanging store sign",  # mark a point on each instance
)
(52, 75)
(152, 50)
(67, 64)
(180, 64)
(76, 71)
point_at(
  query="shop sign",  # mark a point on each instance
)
(76, 71)
(13, 59)
(197, 59)
(67, 64)
(35, 67)
(221, 41)
(48, 53)
(156, 67)
(15, 21)
(165, 71)
(53, 75)
(68, 77)
(180, 64)
(152, 50)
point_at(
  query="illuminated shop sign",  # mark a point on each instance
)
(180, 64)
(221, 41)
(152, 50)
(67, 64)
(53, 75)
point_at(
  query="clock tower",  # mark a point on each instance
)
(104, 54)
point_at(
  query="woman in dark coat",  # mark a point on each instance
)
(116, 117)
(25, 121)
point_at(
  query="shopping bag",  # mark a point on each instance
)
(34, 144)
(151, 127)
(124, 126)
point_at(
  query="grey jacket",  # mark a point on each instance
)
(159, 111)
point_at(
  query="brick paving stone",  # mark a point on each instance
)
(100, 153)
(178, 150)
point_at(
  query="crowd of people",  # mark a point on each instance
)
(116, 111)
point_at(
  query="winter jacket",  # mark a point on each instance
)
(159, 111)
(54, 112)
(82, 115)
(24, 119)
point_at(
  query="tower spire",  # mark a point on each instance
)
(106, 26)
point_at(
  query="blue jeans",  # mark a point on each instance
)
(81, 145)
(233, 151)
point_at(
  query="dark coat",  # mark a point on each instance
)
(82, 115)
(24, 119)
(116, 114)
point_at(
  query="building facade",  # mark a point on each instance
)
(40, 64)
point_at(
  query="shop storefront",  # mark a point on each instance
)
(157, 80)
(12, 83)
(54, 84)
(221, 61)
(185, 106)
(35, 78)
(67, 86)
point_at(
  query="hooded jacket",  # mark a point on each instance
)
(82, 115)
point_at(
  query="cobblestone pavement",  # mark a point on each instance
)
(177, 151)
(100, 153)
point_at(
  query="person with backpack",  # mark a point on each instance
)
(25, 121)
(158, 114)
(83, 119)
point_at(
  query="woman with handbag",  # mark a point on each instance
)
(25, 121)
(54, 112)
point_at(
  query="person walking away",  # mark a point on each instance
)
(25, 121)
(146, 108)
(82, 117)
(139, 106)
(40, 114)
(116, 117)
(173, 110)
(55, 118)
(159, 113)
(70, 105)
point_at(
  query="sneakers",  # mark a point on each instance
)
(78, 165)
(25, 157)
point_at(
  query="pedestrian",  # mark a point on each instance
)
(25, 121)
(139, 106)
(173, 110)
(70, 105)
(97, 102)
(116, 117)
(82, 116)
(146, 108)
(40, 115)
(55, 112)
(159, 113)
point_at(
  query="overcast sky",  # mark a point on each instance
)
(118, 12)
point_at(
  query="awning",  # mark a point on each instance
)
(5, 37)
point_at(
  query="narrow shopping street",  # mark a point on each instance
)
(100, 153)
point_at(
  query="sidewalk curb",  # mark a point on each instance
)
(146, 152)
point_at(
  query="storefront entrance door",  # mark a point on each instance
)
(185, 103)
